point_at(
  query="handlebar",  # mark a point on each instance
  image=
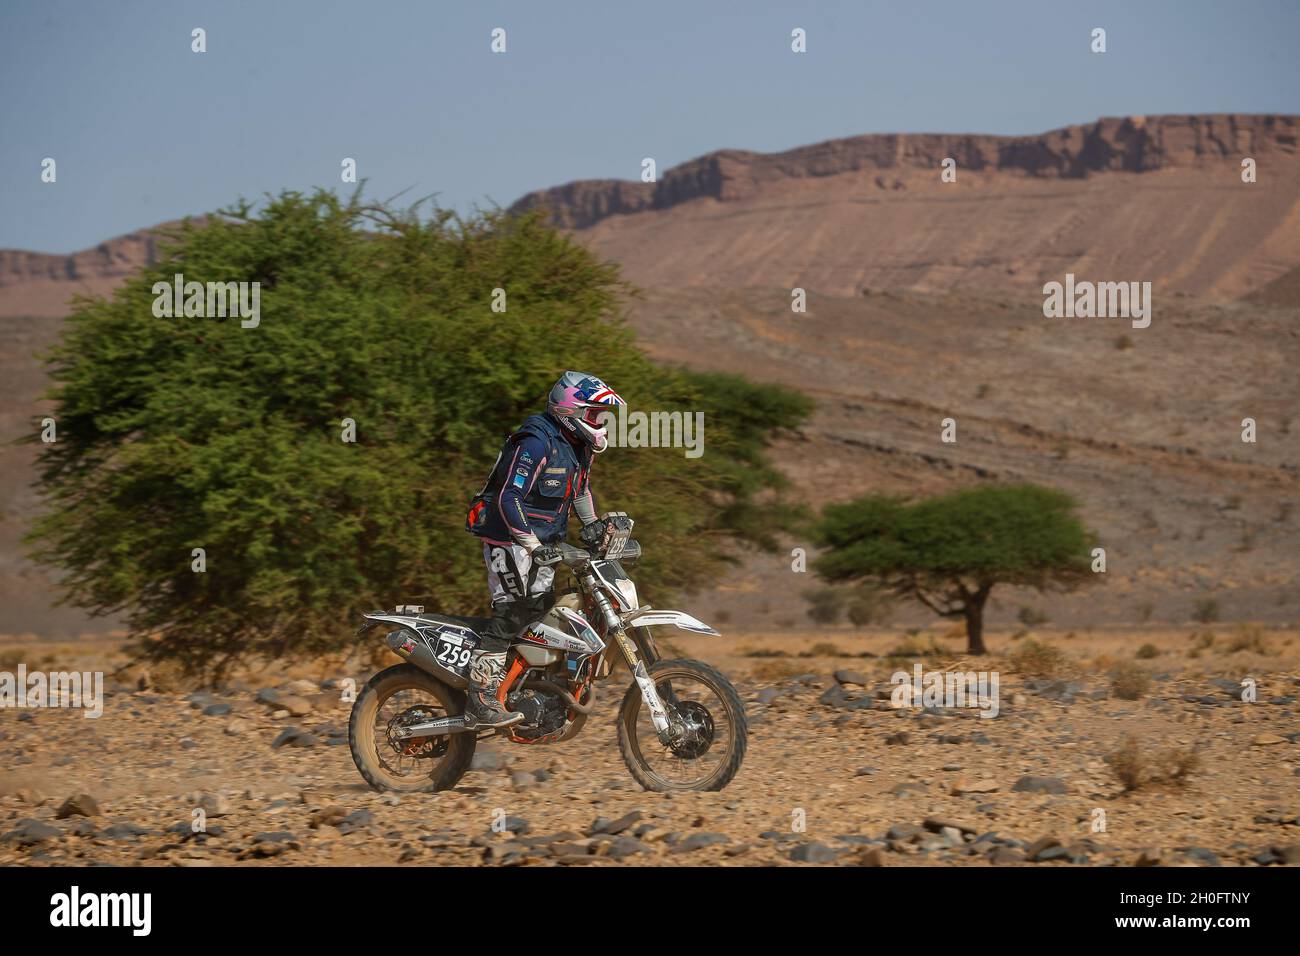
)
(573, 557)
(576, 557)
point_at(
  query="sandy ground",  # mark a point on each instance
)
(835, 774)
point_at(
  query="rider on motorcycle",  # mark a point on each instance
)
(522, 513)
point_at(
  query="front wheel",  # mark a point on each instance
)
(399, 695)
(711, 745)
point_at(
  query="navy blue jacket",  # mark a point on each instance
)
(538, 479)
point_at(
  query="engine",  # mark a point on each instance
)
(544, 713)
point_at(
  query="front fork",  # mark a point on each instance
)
(666, 729)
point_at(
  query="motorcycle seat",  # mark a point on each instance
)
(475, 624)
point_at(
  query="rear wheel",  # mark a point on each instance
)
(708, 751)
(399, 695)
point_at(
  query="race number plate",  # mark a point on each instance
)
(617, 542)
(451, 647)
(618, 528)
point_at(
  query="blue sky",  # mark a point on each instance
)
(143, 130)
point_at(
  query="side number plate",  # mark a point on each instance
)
(452, 649)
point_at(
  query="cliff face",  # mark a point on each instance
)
(1130, 144)
(111, 259)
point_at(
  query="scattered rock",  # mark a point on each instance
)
(294, 737)
(327, 817)
(1060, 691)
(614, 827)
(295, 705)
(964, 786)
(952, 835)
(1045, 848)
(698, 841)
(272, 844)
(1201, 855)
(354, 821)
(214, 804)
(31, 832)
(937, 825)
(623, 847)
(1289, 855)
(522, 779)
(124, 831)
(813, 853)
(869, 856)
(1030, 784)
(78, 805)
(488, 760)
(903, 832)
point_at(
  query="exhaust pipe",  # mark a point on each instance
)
(564, 695)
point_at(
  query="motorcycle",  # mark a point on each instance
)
(681, 725)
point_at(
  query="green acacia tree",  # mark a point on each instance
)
(949, 552)
(177, 434)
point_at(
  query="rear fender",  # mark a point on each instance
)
(442, 651)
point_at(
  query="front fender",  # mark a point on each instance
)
(676, 618)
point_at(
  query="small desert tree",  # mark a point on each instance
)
(949, 552)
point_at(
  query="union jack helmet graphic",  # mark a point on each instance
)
(578, 401)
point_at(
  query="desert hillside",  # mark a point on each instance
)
(925, 303)
(1156, 199)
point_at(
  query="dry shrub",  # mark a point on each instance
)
(914, 645)
(1146, 652)
(774, 669)
(823, 649)
(1129, 681)
(1134, 770)
(1248, 638)
(1035, 659)
(955, 632)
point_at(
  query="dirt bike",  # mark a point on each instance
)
(681, 725)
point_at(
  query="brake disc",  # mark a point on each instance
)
(697, 736)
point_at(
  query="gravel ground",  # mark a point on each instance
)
(835, 775)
